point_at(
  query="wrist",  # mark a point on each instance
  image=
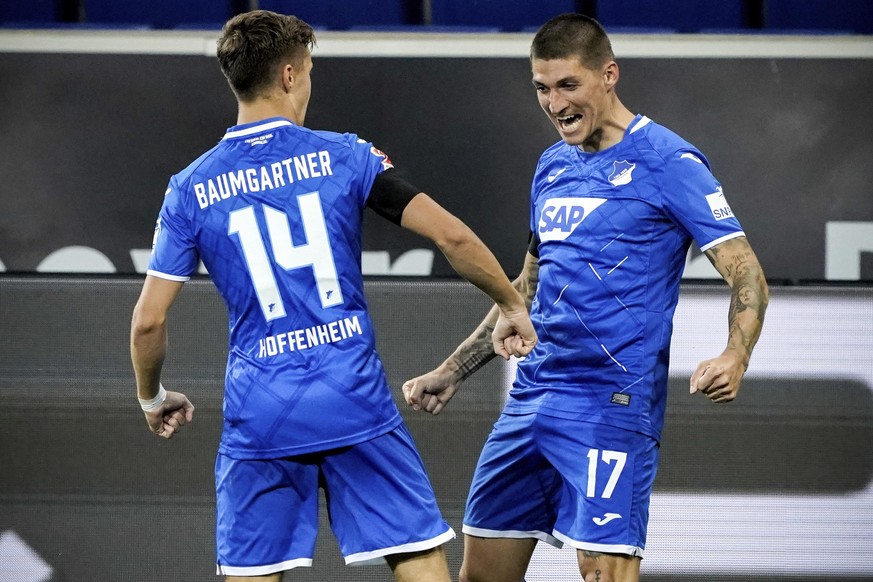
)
(514, 305)
(149, 404)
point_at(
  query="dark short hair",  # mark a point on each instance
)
(251, 45)
(572, 35)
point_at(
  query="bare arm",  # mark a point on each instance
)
(148, 348)
(512, 330)
(432, 391)
(474, 352)
(720, 377)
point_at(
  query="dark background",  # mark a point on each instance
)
(90, 142)
(98, 497)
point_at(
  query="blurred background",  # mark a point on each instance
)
(101, 101)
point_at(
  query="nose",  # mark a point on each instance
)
(556, 102)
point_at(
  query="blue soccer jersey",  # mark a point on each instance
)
(275, 213)
(614, 229)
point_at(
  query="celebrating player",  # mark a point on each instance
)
(614, 207)
(275, 212)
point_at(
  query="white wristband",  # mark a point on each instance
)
(153, 403)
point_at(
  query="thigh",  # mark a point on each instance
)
(514, 488)
(266, 515)
(608, 474)
(496, 559)
(427, 566)
(380, 499)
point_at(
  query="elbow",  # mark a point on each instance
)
(145, 322)
(455, 238)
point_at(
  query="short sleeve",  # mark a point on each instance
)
(695, 200)
(174, 254)
(370, 161)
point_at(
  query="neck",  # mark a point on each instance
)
(265, 108)
(611, 131)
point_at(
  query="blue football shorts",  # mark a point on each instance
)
(379, 499)
(563, 481)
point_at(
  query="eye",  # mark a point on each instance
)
(541, 89)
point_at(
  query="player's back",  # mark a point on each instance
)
(275, 213)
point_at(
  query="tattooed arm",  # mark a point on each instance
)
(432, 391)
(720, 377)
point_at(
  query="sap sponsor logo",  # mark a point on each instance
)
(719, 206)
(386, 162)
(259, 139)
(560, 216)
(621, 172)
(605, 519)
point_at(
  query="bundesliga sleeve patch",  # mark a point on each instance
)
(386, 161)
(719, 206)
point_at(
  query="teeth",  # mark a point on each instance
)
(569, 120)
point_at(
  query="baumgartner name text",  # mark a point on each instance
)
(310, 337)
(266, 177)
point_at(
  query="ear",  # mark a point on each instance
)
(610, 74)
(288, 73)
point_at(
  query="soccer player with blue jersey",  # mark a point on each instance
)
(274, 211)
(614, 207)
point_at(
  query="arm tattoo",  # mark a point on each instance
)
(477, 350)
(738, 264)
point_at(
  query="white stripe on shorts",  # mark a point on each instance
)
(604, 548)
(514, 534)
(261, 570)
(378, 556)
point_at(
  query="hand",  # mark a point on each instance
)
(432, 391)
(513, 335)
(171, 416)
(719, 378)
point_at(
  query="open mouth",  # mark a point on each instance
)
(569, 122)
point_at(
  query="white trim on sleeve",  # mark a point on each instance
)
(168, 277)
(720, 240)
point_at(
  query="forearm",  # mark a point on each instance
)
(749, 299)
(749, 295)
(468, 255)
(477, 350)
(148, 348)
(472, 260)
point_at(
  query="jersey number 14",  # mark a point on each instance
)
(315, 253)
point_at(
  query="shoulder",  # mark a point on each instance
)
(553, 154)
(554, 151)
(667, 144)
(337, 140)
(194, 167)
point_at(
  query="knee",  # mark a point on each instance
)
(468, 574)
(465, 576)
